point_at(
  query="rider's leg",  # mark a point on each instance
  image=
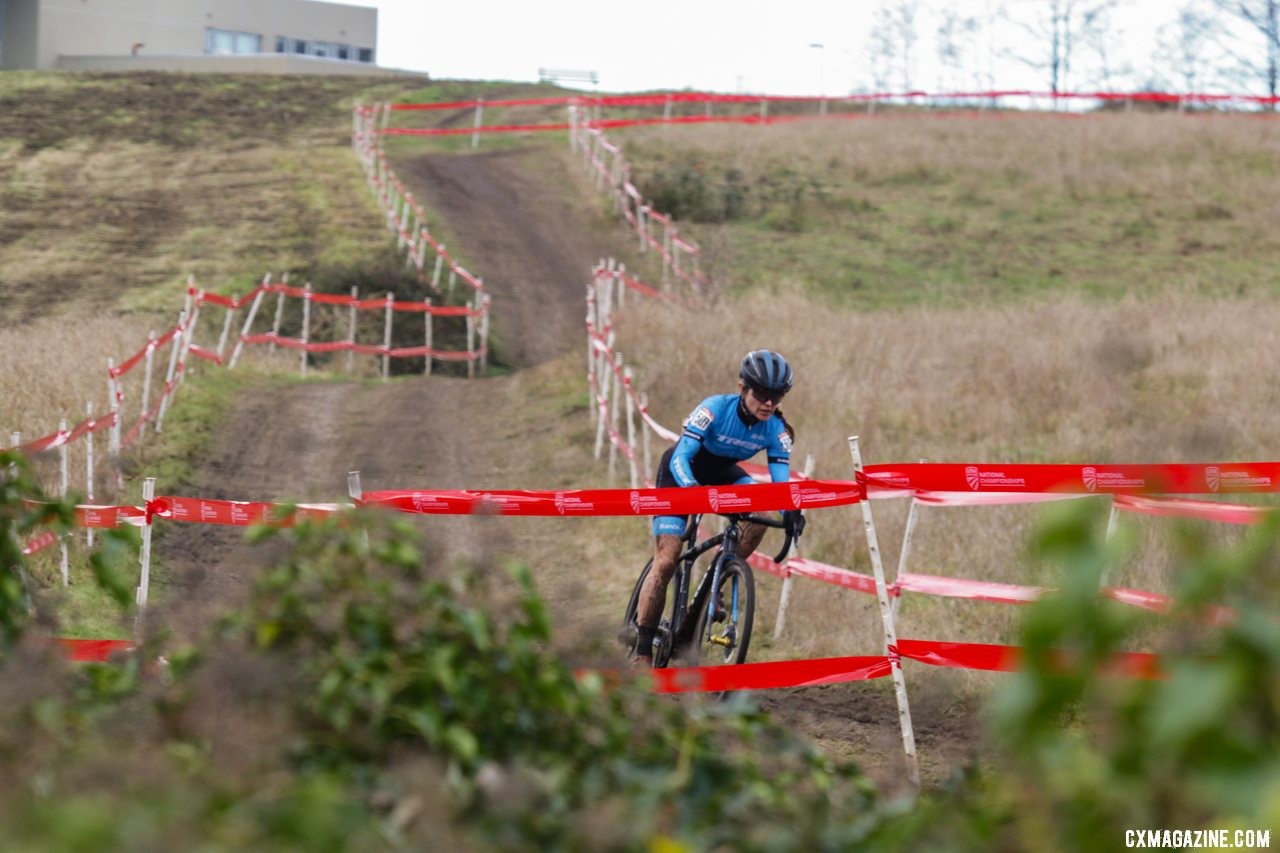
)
(751, 536)
(653, 594)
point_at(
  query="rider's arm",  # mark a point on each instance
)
(682, 459)
(779, 455)
(695, 430)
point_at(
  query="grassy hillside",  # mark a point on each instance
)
(918, 210)
(1017, 289)
(1008, 290)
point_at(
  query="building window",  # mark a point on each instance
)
(325, 49)
(227, 42)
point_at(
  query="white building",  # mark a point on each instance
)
(280, 36)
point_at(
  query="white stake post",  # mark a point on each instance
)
(785, 598)
(435, 275)
(913, 514)
(591, 343)
(615, 413)
(486, 302)
(226, 331)
(351, 331)
(148, 368)
(189, 333)
(168, 381)
(64, 483)
(357, 496)
(64, 459)
(306, 329)
(275, 324)
(429, 319)
(88, 469)
(644, 435)
(386, 334)
(184, 340)
(113, 397)
(248, 324)
(631, 428)
(603, 372)
(886, 617)
(144, 578)
(1113, 518)
(471, 338)
(475, 133)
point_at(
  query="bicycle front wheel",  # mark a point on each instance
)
(723, 635)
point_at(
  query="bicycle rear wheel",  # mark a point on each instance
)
(723, 638)
(628, 635)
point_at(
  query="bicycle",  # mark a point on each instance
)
(705, 629)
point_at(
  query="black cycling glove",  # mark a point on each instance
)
(794, 520)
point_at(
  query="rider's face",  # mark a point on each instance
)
(759, 409)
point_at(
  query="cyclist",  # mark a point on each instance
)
(723, 430)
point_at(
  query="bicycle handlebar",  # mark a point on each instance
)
(793, 533)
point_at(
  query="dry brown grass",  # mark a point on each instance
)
(1175, 378)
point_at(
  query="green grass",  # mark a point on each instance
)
(910, 212)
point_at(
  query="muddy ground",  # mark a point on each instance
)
(514, 211)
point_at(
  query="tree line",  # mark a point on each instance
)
(1205, 45)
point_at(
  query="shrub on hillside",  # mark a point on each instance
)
(368, 696)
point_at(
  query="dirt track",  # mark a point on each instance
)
(298, 441)
(509, 210)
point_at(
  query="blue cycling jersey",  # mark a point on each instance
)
(717, 427)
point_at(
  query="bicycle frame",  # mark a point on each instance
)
(683, 605)
(681, 610)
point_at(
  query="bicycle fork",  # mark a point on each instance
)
(727, 549)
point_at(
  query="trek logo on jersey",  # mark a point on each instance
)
(700, 419)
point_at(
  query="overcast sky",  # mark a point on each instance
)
(760, 46)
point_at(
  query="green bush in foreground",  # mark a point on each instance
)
(366, 698)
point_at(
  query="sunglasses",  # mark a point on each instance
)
(763, 396)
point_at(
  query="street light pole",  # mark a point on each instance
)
(822, 76)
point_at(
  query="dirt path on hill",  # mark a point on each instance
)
(511, 212)
(518, 225)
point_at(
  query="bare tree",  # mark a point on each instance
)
(1263, 16)
(1059, 29)
(892, 42)
(957, 47)
(1186, 45)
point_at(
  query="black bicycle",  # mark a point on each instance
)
(705, 629)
